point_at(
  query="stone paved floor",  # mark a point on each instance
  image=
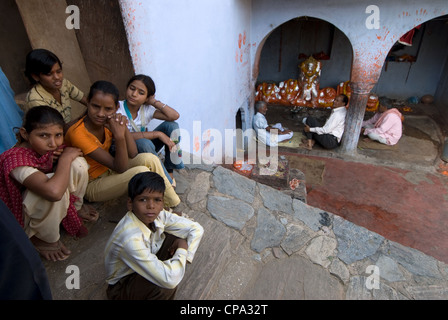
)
(261, 244)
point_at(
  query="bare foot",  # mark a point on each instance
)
(307, 144)
(64, 249)
(88, 213)
(55, 251)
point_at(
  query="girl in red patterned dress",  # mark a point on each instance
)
(43, 183)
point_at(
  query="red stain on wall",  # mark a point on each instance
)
(367, 66)
(197, 144)
(379, 37)
(242, 40)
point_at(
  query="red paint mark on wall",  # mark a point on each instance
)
(242, 40)
(379, 37)
(197, 144)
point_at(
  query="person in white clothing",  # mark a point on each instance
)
(267, 134)
(330, 134)
(148, 251)
(140, 107)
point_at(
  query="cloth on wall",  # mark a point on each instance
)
(11, 114)
(406, 39)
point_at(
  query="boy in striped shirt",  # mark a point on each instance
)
(146, 255)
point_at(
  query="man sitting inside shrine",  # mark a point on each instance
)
(269, 135)
(329, 135)
(385, 126)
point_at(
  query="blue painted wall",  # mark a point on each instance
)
(403, 79)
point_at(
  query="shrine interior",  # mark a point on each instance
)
(413, 80)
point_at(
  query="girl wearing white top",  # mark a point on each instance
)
(141, 107)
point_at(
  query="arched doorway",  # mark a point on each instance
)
(413, 66)
(297, 39)
(280, 58)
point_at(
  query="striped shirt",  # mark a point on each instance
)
(132, 247)
(38, 96)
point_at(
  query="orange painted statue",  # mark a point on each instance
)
(309, 80)
(372, 103)
(326, 97)
(289, 90)
(268, 92)
(344, 88)
(302, 92)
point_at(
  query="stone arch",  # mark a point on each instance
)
(335, 38)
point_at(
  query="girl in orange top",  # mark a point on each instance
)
(93, 134)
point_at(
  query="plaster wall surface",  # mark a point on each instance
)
(52, 34)
(442, 91)
(13, 36)
(403, 79)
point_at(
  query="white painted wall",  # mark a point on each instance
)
(191, 50)
(191, 47)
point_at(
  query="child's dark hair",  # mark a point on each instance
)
(344, 99)
(145, 181)
(147, 81)
(40, 61)
(104, 87)
(40, 116)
